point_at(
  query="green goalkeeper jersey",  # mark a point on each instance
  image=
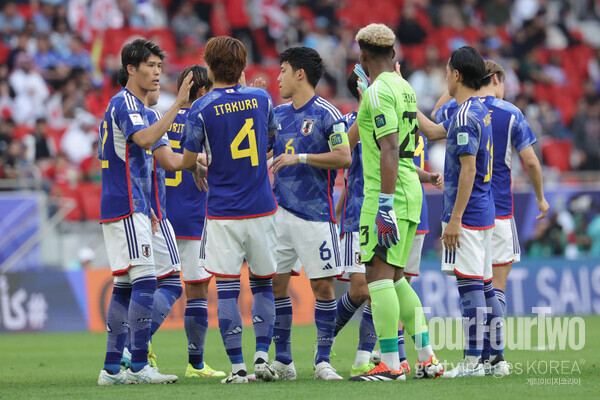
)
(388, 106)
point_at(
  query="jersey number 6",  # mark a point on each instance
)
(251, 151)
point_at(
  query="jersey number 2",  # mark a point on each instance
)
(251, 151)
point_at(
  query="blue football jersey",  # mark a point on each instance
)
(158, 195)
(353, 200)
(509, 129)
(470, 132)
(186, 204)
(421, 155)
(302, 189)
(126, 168)
(233, 125)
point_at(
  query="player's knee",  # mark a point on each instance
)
(323, 288)
(197, 290)
(359, 295)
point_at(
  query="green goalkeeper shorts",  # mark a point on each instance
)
(397, 255)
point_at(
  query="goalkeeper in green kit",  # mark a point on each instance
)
(388, 128)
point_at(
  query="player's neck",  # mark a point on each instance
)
(486, 91)
(137, 91)
(222, 85)
(463, 93)
(302, 96)
(379, 66)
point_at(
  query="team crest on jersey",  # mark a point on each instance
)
(357, 257)
(308, 125)
(146, 250)
(380, 120)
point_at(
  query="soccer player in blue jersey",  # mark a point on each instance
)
(468, 210)
(310, 144)
(232, 123)
(510, 129)
(124, 137)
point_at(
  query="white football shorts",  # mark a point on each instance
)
(473, 259)
(190, 253)
(128, 243)
(505, 242)
(230, 241)
(413, 263)
(316, 244)
(166, 253)
(350, 252)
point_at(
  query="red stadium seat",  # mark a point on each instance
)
(90, 200)
(66, 193)
(557, 153)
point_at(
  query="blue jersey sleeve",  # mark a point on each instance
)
(163, 141)
(446, 124)
(446, 111)
(193, 133)
(128, 118)
(522, 136)
(467, 137)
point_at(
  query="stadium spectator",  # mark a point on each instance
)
(6, 131)
(30, 89)
(548, 239)
(38, 146)
(410, 31)
(77, 57)
(77, 141)
(60, 36)
(11, 21)
(187, 24)
(586, 135)
(44, 16)
(90, 166)
(428, 82)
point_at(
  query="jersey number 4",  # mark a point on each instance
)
(251, 151)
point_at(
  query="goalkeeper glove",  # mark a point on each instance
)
(386, 225)
(364, 82)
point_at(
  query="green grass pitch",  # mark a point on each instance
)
(66, 366)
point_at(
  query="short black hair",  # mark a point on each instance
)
(136, 52)
(470, 64)
(352, 83)
(199, 79)
(304, 58)
(376, 51)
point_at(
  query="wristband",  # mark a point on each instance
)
(386, 200)
(302, 158)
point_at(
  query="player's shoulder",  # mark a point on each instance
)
(505, 106)
(255, 91)
(203, 102)
(283, 108)
(327, 109)
(124, 99)
(350, 117)
(153, 115)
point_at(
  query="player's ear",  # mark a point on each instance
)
(131, 70)
(300, 74)
(393, 54)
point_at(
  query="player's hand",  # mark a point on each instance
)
(363, 80)
(242, 80)
(200, 177)
(153, 221)
(284, 159)
(437, 180)
(184, 90)
(544, 207)
(386, 225)
(451, 236)
(397, 69)
(259, 83)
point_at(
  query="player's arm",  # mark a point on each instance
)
(168, 159)
(147, 137)
(444, 98)
(353, 136)
(436, 179)
(468, 170)
(430, 129)
(534, 171)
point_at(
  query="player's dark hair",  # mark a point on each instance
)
(469, 63)
(352, 83)
(226, 58)
(136, 52)
(376, 51)
(199, 79)
(306, 59)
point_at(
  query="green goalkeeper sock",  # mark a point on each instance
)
(386, 315)
(411, 314)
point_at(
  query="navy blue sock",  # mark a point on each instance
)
(501, 296)
(401, 350)
(263, 312)
(117, 326)
(230, 319)
(140, 319)
(367, 337)
(282, 330)
(196, 325)
(473, 304)
(495, 321)
(168, 291)
(345, 310)
(325, 314)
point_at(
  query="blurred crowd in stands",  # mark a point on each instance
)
(59, 60)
